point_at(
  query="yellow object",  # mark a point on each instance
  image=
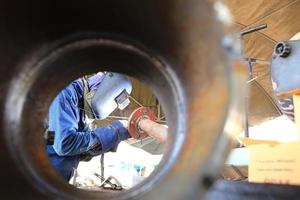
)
(273, 162)
(248, 142)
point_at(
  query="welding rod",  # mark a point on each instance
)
(253, 29)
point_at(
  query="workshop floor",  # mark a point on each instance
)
(129, 165)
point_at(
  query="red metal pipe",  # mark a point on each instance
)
(153, 129)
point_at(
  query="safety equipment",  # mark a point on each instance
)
(87, 98)
(112, 92)
(73, 141)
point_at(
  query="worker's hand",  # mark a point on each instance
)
(124, 123)
(121, 126)
(111, 135)
(122, 132)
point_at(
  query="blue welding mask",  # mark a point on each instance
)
(113, 92)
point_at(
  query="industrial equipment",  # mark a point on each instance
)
(181, 49)
(113, 92)
(142, 123)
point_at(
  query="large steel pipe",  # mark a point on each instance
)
(174, 46)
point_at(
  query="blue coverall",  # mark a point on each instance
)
(72, 137)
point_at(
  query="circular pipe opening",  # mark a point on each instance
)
(43, 77)
(192, 82)
(133, 160)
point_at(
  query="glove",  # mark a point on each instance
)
(121, 126)
(124, 123)
(110, 136)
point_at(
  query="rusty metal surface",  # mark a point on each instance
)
(174, 46)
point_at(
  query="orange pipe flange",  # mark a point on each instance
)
(141, 124)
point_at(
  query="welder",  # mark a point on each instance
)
(94, 97)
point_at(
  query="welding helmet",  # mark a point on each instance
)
(113, 92)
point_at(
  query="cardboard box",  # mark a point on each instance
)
(273, 162)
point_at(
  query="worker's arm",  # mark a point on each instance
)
(64, 117)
